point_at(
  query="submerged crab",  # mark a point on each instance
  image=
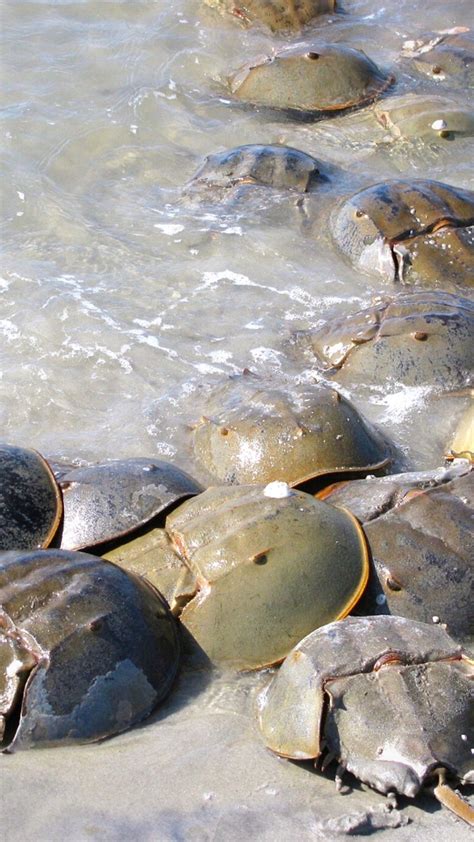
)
(411, 116)
(446, 57)
(224, 174)
(390, 698)
(410, 230)
(418, 339)
(86, 650)
(276, 14)
(318, 81)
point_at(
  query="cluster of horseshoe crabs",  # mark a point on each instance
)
(251, 570)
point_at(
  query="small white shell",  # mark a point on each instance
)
(277, 489)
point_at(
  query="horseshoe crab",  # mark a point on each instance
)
(426, 117)
(104, 501)
(419, 338)
(389, 697)
(30, 500)
(278, 15)
(255, 431)
(86, 649)
(280, 167)
(409, 230)
(318, 80)
(421, 543)
(261, 566)
(444, 56)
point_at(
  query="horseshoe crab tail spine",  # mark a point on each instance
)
(450, 799)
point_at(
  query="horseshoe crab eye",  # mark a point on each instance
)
(359, 214)
(313, 56)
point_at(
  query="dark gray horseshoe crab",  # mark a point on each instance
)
(86, 649)
(104, 501)
(317, 81)
(255, 430)
(390, 698)
(281, 167)
(418, 339)
(410, 230)
(276, 14)
(30, 500)
(422, 545)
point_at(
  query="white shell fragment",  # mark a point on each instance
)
(277, 490)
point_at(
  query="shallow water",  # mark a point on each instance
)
(120, 305)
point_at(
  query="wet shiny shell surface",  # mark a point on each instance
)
(377, 227)
(422, 338)
(30, 500)
(281, 167)
(422, 553)
(462, 445)
(276, 14)
(319, 79)
(268, 569)
(385, 677)
(98, 648)
(104, 501)
(256, 431)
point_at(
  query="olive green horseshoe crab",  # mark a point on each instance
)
(446, 57)
(410, 230)
(318, 81)
(86, 650)
(417, 339)
(30, 499)
(223, 175)
(110, 499)
(254, 430)
(261, 566)
(429, 118)
(390, 698)
(421, 543)
(278, 15)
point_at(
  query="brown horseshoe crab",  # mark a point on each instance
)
(319, 80)
(422, 546)
(87, 650)
(257, 431)
(30, 499)
(223, 174)
(104, 501)
(278, 15)
(389, 697)
(409, 230)
(419, 338)
(260, 567)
